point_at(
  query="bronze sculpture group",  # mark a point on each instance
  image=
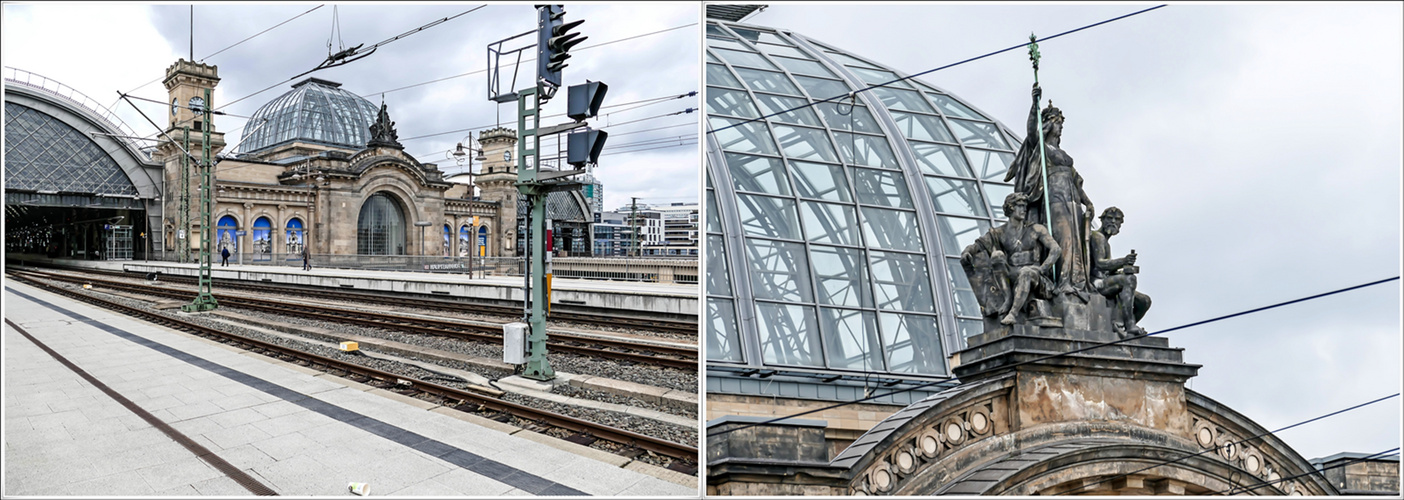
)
(1044, 265)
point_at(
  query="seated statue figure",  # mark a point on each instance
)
(1020, 254)
(1115, 278)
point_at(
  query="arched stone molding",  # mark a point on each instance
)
(372, 158)
(971, 440)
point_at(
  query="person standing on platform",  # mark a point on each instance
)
(224, 253)
(306, 259)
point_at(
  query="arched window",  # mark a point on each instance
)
(295, 238)
(482, 240)
(448, 240)
(465, 241)
(226, 235)
(263, 238)
(380, 230)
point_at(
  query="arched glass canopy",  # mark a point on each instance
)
(316, 111)
(834, 231)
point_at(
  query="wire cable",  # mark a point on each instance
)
(844, 95)
(1048, 357)
(649, 149)
(1382, 454)
(1226, 445)
(649, 101)
(533, 58)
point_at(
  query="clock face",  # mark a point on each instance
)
(174, 105)
(506, 156)
(197, 104)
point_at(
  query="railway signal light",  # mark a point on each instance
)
(554, 41)
(584, 147)
(584, 100)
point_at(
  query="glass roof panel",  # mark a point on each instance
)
(782, 50)
(726, 43)
(45, 154)
(713, 220)
(739, 58)
(850, 339)
(956, 196)
(905, 100)
(980, 135)
(723, 341)
(818, 180)
(965, 302)
(850, 61)
(801, 114)
(900, 282)
(891, 229)
(912, 344)
(718, 282)
(922, 127)
(767, 81)
(768, 216)
(788, 334)
(867, 150)
(713, 59)
(719, 75)
(805, 143)
(713, 29)
(742, 136)
(842, 275)
(996, 194)
(830, 223)
(779, 270)
(958, 233)
(879, 77)
(758, 174)
(838, 116)
(881, 187)
(953, 107)
(992, 165)
(940, 159)
(730, 102)
(746, 33)
(820, 88)
(804, 67)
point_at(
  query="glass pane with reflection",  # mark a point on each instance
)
(779, 270)
(851, 339)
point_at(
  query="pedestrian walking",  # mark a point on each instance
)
(306, 259)
(224, 252)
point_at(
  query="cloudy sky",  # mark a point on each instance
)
(105, 48)
(1256, 152)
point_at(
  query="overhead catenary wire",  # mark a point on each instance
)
(649, 101)
(1390, 453)
(530, 59)
(1048, 357)
(1227, 444)
(908, 77)
(353, 53)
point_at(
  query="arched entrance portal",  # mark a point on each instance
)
(380, 230)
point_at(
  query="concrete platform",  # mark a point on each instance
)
(667, 299)
(286, 428)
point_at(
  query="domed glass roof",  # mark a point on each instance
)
(316, 111)
(834, 231)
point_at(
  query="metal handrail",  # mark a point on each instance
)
(58, 89)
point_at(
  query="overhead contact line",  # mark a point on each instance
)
(1235, 489)
(1230, 444)
(1000, 51)
(1051, 356)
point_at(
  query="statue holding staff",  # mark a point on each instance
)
(1045, 174)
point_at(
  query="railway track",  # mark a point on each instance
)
(597, 319)
(594, 346)
(461, 399)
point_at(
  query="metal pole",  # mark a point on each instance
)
(1042, 155)
(528, 120)
(205, 301)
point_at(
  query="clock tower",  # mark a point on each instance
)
(186, 83)
(498, 182)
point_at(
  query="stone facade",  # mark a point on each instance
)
(323, 188)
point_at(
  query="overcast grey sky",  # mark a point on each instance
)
(102, 48)
(1256, 152)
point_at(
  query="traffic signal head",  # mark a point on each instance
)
(553, 43)
(584, 100)
(584, 147)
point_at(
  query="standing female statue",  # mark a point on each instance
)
(1068, 225)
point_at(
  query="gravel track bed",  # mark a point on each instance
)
(594, 395)
(640, 425)
(670, 378)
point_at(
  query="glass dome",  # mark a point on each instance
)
(316, 111)
(834, 231)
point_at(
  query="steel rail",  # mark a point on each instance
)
(673, 357)
(613, 434)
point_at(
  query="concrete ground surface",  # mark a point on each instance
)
(289, 429)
